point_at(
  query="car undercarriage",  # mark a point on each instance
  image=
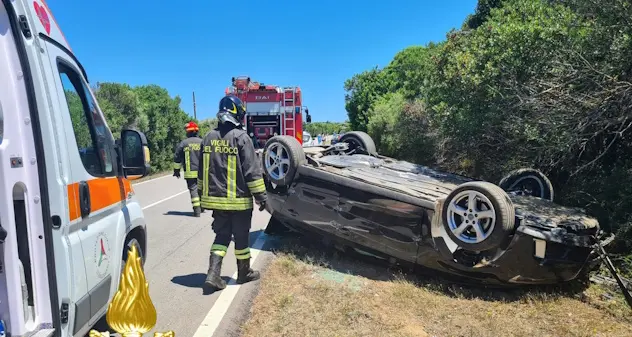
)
(506, 233)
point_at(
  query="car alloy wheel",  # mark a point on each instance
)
(471, 216)
(478, 216)
(277, 161)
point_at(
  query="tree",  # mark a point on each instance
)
(483, 10)
(149, 109)
(362, 90)
(315, 128)
(409, 70)
(524, 83)
(206, 126)
(78, 117)
(166, 122)
(120, 104)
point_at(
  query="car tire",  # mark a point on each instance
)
(359, 141)
(495, 207)
(537, 184)
(292, 155)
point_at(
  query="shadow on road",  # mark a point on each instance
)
(196, 280)
(179, 213)
(253, 236)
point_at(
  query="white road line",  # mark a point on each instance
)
(217, 312)
(151, 180)
(165, 199)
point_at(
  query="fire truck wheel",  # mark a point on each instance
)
(282, 155)
(359, 142)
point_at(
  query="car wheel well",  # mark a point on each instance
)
(538, 179)
(359, 141)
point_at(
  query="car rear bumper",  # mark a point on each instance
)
(528, 259)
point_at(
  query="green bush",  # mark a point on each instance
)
(524, 83)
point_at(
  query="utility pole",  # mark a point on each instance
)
(194, 111)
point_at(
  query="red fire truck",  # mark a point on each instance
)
(270, 109)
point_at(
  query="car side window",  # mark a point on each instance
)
(92, 136)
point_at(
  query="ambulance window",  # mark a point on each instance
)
(91, 134)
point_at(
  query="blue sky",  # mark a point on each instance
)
(199, 46)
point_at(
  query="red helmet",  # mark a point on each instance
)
(191, 127)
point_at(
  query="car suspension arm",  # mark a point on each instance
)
(624, 289)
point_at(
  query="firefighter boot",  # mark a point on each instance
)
(213, 279)
(197, 210)
(245, 273)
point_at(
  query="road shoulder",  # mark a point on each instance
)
(239, 311)
(312, 290)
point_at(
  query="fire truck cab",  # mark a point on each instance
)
(270, 110)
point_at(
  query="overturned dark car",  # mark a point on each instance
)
(503, 234)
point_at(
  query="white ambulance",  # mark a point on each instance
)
(67, 208)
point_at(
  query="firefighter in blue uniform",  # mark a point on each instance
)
(187, 155)
(230, 175)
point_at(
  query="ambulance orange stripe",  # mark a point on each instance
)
(104, 192)
(73, 202)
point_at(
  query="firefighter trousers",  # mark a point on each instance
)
(193, 190)
(235, 224)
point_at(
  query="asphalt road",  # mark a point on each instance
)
(177, 261)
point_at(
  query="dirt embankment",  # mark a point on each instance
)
(313, 294)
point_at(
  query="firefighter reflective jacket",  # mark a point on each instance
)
(187, 156)
(230, 174)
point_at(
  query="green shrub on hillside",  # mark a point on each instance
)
(524, 83)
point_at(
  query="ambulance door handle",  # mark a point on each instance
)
(84, 199)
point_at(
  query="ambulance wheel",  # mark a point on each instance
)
(128, 245)
(282, 155)
(359, 142)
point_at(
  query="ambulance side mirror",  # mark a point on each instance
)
(134, 153)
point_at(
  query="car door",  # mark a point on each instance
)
(381, 223)
(94, 189)
(314, 202)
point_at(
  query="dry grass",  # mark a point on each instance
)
(302, 295)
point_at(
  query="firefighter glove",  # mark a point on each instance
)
(261, 198)
(176, 173)
(265, 205)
